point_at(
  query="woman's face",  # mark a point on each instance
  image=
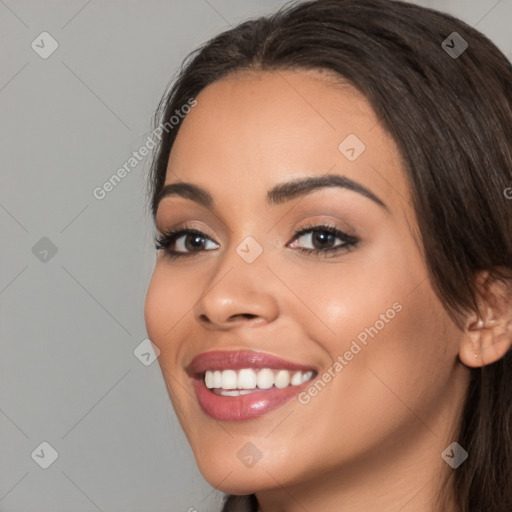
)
(387, 384)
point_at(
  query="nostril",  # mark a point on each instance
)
(232, 319)
(240, 316)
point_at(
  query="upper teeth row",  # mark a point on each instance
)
(247, 378)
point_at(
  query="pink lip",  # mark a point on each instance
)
(237, 359)
(243, 407)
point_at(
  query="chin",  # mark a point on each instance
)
(240, 481)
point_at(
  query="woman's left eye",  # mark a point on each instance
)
(323, 238)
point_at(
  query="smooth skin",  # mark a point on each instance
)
(372, 438)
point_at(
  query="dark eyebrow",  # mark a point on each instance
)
(276, 195)
(188, 191)
(300, 187)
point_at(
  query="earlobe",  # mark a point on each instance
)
(484, 343)
(488, 339)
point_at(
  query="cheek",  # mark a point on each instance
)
(163, 309)
(371, 292)
(379, 318)
(346, 298)
(169, 298)
(155, 308)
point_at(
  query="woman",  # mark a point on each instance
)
(332, 297)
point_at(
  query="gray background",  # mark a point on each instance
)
(70, 323)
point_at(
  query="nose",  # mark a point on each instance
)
(240, 293)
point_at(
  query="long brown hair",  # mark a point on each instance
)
(449, 110)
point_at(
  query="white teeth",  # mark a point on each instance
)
(265, 378)
(229, 379)
(246, 379)
(234, 392)
(282, 379)
(208, 379)
(217, 379)
(243, 381)
(296, 379)
(306, 376)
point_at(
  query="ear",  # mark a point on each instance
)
(488, 332)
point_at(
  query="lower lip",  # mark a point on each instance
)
(243, 407)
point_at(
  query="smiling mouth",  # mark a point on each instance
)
(245, 381)
(241, 385)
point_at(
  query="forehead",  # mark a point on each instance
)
(260, 128)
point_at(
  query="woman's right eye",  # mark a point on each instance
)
(183, 242)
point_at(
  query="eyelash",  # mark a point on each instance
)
(166, 239)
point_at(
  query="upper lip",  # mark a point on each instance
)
(238, 359)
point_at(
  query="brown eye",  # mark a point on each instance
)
(322, 239)
(193, 242)
(184, 242)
